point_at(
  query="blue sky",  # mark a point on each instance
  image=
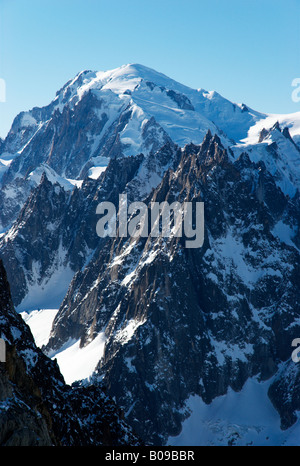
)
(247, 50)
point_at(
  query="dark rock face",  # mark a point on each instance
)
(88, 121)
(177, 321)
(24, 419)
(63, 131)
(56, 229)
(181, 100)
(182, 321)
(36, 407)
(69, 135)
(284, 393)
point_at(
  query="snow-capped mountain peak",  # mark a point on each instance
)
(155, 92)
(156, 323)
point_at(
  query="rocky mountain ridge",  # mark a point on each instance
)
(179, 322)
(37, 408)
(173, 322)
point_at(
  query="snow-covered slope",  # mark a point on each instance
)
(277, 149)
(237, 418)
(180, 322)
(184, 113)
(37, 408)
(169, 323)
(290, 121)
(125, 111)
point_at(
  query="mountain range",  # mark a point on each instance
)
(166, 332)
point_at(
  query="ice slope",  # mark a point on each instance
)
(184, 113)
(273, 146)
(150, 91)
(48, 292)
(131, 96)
(75, 363)
(40, 323)
(78, 363)
(237, 418)
(291, 121)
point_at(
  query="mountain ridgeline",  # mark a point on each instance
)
(37, 408)
(176, 322)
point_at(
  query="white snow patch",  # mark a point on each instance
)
(292, 121)
(28, 120)
(119, 259)
(247, 416)
(128, 278)
(53, 177)
(126, 333)
(77, 183)
(230, 252)
(40, 322)
(285, 233)
(49, 293)
(6, 162)
(77, 363)
(95, 172)
(223, 349)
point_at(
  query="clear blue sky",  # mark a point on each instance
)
(247, 50)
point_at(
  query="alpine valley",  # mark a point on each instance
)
(129, 340)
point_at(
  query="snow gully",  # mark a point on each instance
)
(167, 220)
